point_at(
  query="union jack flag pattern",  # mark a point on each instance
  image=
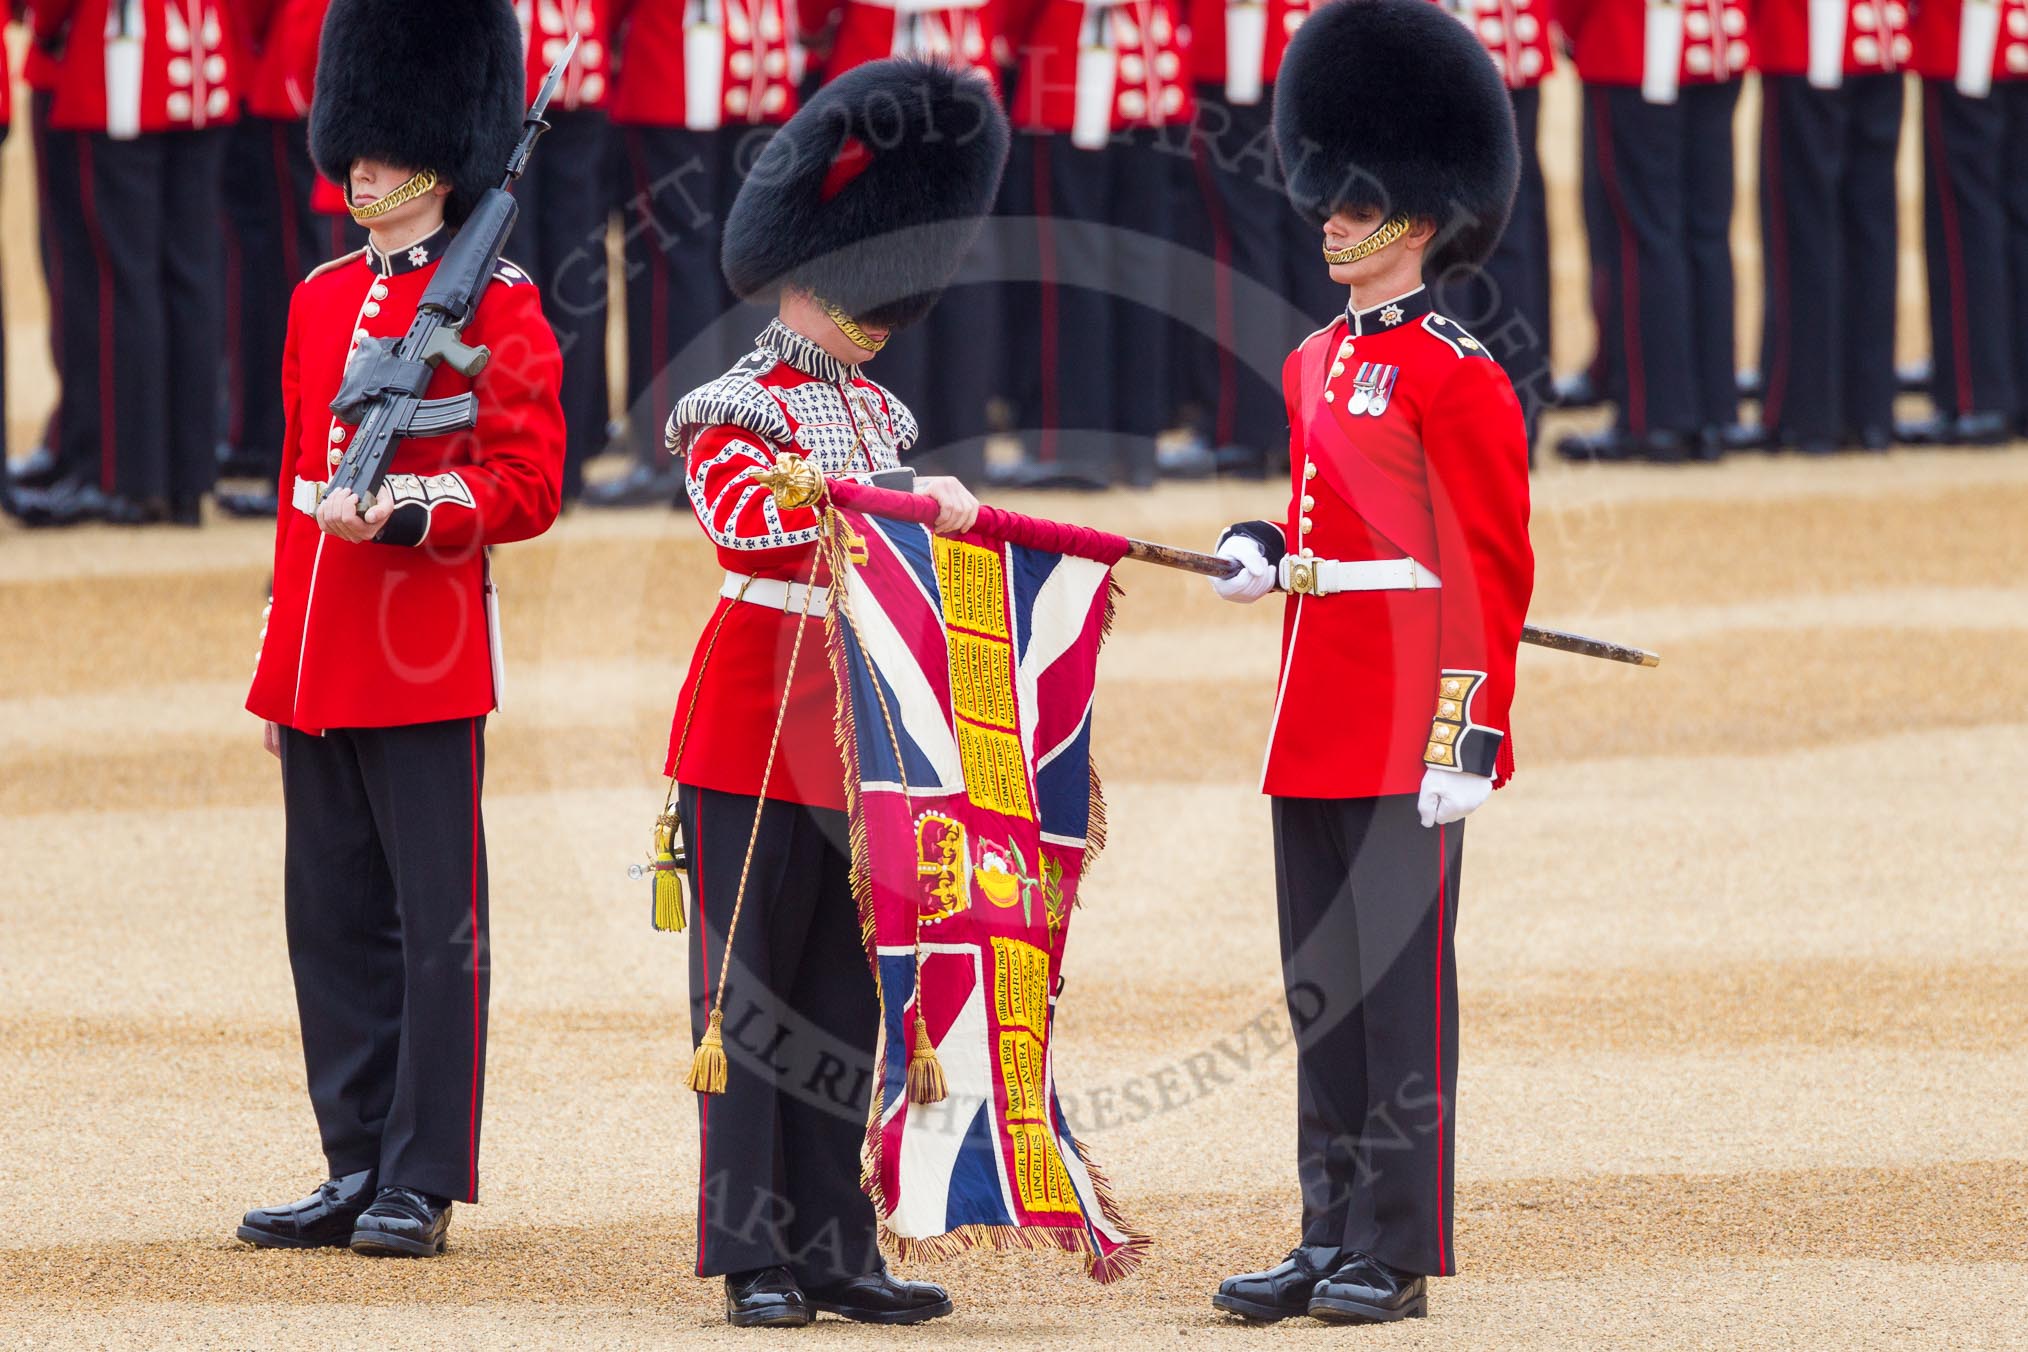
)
(965, 669)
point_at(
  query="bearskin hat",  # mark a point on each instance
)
(871, 195)
(1394, 104)
(420, 84)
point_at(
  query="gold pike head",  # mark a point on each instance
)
(794, 481)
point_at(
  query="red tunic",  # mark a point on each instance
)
(661, 43)
(378, 634)
(546, 26)
(1215, 24)
(1139, 75)
(1870, 39)
(187, 76)
(1609, 40)
(1440, 475)
(966, 36)
(1938, 31)
(284, 64)
(788, 395)
(1515, 33)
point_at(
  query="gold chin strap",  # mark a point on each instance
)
(418, 183)
(849, 326)
(1388, 231)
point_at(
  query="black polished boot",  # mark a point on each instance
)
(323, 1220)
(880, 1297)
(1970, 429)
(402, 1223)
(1577, 391)
(765, 1298)
(1281, 1291)
(1367, 1291)
(261, 505)
(37, 469)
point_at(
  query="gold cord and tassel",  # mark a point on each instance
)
(925, 1072)
(671, 858)
(708, 1068)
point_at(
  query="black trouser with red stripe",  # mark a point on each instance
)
(386, 907)
(1368, 900)
(151, 214)
(272, 242)
(1088, 342)
(1975, 229)
(779, 1149)
(560, 238)
(1827, 203)
(1240, 230)
(70, 270)
(684, 325)
(1505, 301)
(1663, 179)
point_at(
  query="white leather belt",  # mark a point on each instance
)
(309, 492)
(1321, 577)
(775, 594)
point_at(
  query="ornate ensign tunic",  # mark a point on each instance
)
(1406, 443)
(788, 394)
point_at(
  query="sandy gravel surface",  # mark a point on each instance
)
(1743, 952)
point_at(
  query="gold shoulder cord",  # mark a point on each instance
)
(420, 182)
(1384, 234)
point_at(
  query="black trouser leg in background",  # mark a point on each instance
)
(1965, 240)
(675, 186)
(1644, 251)
(1871, 252)
(2012, 96)
(386, 903)
(560, 237)
(1707, 242)
(71, 271)
(1802, 156)
(272, 243)
(1144, 176)
(125, 182)
(1368, 898)
(1072, 418)
(779, 1149)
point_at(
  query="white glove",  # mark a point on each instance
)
(1256, 578)
(1451, 795)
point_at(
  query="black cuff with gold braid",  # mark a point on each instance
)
(1455, 742)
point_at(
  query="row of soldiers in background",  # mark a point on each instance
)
(1144, 274)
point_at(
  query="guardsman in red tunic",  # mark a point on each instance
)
(150, 86)
(1241, 235)
(379, 660)
(945, 367)
(854, 220)
(701, 85)
(1505, 301)
(566, 197)
(1406, 560)
(273, 237)
(1972, 56)
(1830, 123)
(1102, 100)
(1661, 79)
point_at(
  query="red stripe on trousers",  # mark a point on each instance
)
(109, 455)
(704, 976)
(478, 1008)
(285, 181)
(1227, 414)
(1954, 248)
(1045, 244)
(1443, 889)
(1630, 271)
(1775, 393)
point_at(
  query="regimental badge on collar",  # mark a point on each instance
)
(1372, 389)
(418, 256)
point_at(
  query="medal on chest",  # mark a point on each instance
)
(1372, 389)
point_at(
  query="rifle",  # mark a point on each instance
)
(384, 382)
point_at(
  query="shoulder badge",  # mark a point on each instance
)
(1453, 336)
(737, 399)
(335, 263)
(508, 273)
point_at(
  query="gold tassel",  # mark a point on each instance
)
(925, 1072)
(707, 1067)
(671, 905)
